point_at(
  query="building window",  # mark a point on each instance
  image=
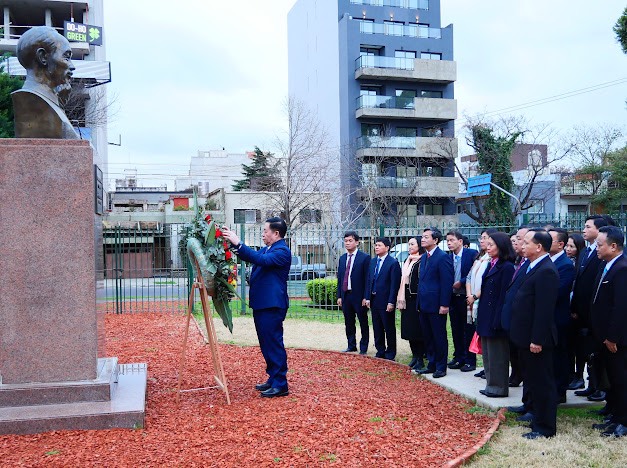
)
(310, 215)
(393, 28)
(431, 94)
(405, 98)
(431, 132)
(432, 210)
(431, 171)
(369, 51)
(430, 56)
(243, 216)
(537, 207)
(407, 54)
(369, 90)
(577, 209)
(408, 132)
(371, 130)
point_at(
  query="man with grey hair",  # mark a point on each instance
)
(47, 57)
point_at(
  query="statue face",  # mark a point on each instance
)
(60, 66)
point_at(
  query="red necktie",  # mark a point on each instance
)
(347, 273)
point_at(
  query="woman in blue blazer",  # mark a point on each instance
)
(494, 339)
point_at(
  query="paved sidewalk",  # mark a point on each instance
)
(310, 334)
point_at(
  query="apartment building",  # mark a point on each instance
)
(380, 75)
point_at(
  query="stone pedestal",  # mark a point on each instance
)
(50, 333)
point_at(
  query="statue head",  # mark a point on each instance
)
(47, 57)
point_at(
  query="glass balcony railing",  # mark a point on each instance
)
(395, 142)
(386, 102)
(377, 61)
(398, 29)
(414, 4)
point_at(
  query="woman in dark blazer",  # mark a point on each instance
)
(494, 339)
(406, 302)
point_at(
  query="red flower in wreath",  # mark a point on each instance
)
(228, 255)
(218, 233)
(208, 218)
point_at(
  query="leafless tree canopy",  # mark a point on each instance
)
(87, 107)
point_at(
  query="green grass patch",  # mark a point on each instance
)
(165, 282)
(52, 452)
(478, 410)
(375, 419)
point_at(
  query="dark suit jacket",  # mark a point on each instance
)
(510, 293)
(533, 309)
(609, 312)
(359, 275)
(468, 258)
(436, 282)
(566, 271)
(493, 288)
(268, 278)
(387, 283)
(583, 290)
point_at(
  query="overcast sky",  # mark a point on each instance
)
(211, 74)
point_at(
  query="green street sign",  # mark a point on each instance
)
(79, 32)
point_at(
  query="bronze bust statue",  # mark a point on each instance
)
(47, 57)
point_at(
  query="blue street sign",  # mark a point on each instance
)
(479, 185)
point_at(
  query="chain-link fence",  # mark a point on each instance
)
(145, 270)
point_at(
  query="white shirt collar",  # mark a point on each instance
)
(593, 246)
(557, 255)
(382, 258)
(537, 260)
(611, 262)
(430, 252)
(354, 253)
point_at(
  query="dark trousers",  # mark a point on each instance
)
(514, 360)
(539, 378)
(577, 356)
(462, 331)
(269, 326)
(616, 365)
(417, 349)
(495, 359)
(434, 332)
(384, 329)
(351, 311)
(560, 361)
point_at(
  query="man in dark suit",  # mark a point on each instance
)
(533, 331)
(609, 325)
(384, 279)
(566, 271)
(352, 273)
(268, 299)
(583, 289)
(461, 328)
(434, 298)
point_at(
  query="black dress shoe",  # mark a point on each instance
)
(491, 394)
(534, 435)
(620, 431)
(609, 430)
(514, 383)
(350, 350)
(587, 392)
(527, 417)
(262, 387)
(363, 353)
(467, 368)
(454, 365)
(561, 399)
(413, 361)
(481, 373)
(599, 395)
(426, 371)
(439, 373)
(275, 392)
(517, 409)
(576, 384)
(603, 426)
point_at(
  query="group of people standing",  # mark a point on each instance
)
(538, 301)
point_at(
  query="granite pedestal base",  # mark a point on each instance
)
(123, 406)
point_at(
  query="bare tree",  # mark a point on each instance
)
(88, 106)
(303, 164)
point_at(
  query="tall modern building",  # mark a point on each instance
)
(380, 75)
(87, 108)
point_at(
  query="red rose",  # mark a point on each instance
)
(228, 255)
(208, 218)
(225, 244)
(218, 233)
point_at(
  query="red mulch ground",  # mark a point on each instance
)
(342, 409)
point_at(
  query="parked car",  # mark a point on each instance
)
(301, 271)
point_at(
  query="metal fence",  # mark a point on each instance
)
(146, 271)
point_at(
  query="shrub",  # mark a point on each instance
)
(322, 291)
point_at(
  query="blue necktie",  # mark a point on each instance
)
(599, 286)
(376, 274)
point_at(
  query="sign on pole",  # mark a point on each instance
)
(79, 32)
(479, 185)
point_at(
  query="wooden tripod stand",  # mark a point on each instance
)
(220, 378)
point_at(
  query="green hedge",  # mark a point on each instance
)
(322, 291)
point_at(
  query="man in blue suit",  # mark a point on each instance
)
(434, 298)
(462, 329)
(352, 273)
(566, 272)
(384, 279)
(268, 299)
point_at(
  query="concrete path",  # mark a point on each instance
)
(326, 336)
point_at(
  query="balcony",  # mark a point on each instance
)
(406, 108)
(404, 147)
(585, 188)
(398, 29)
(411, 4)
(436, 187)
(404, 69)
